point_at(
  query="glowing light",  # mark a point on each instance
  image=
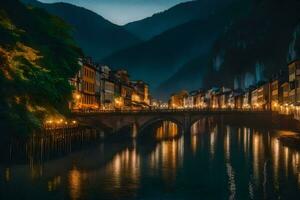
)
(75, 184)
(77, 96)
(7, 174)
(49, 122)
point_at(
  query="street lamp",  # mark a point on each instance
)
(77, 96)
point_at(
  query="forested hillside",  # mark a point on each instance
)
(37, 56)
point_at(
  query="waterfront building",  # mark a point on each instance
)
(140, 94)
(214, 100)
(177, 99)
(235, 100)
(109, 94)
(277, 91)
(84, 83)
(284, 100)
(89, 82)
(254, 99)
(294, 93)
(158, 104)
(98, 85)
(107, 88)
(247, 99)
(219, 97)
(263, 97)
(188, 101)
(224, 96)
(123, 90)
(210, 97)
(294, 80)
(155, 103)
(239, 99)
(200, 100)
(126, 95)
(285, 94)
(231, 100)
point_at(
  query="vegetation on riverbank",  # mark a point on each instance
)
(37, 57)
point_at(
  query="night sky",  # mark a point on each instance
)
(123, 11)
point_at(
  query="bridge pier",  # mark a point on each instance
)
(187, 123)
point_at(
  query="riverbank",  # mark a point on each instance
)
(50, 145)
(272, 120)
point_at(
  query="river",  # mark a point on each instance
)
(213, 161)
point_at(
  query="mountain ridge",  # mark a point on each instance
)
(97, 36)
(164, 53)
(174, 16)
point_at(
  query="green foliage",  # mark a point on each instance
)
(37, 57)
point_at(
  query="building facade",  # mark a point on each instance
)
(140, 94)
(84, 83)
(177, 100)
(294, 80)
(263, 97)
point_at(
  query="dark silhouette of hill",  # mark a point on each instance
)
(175, 16)
(95, 35)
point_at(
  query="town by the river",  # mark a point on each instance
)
(149, 99)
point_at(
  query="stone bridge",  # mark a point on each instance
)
(140, 120)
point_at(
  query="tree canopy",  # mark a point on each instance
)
(37, 58)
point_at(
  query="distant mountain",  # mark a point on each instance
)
(95, 35)
(196, 72)
(188, 77)
(175, 16)
(159, 58)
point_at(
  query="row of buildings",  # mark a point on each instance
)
(281, 93)
(98, 87)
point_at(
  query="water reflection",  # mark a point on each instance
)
(271, 161)
(167, 130)
(54, 183)
(213, 138)
(75, 183)
(7, 174)
(168, 157)
(125, 166)
(215, 161)
(230, 170)
(197, 129)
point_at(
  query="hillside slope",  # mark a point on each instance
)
(95, 35)
(258, 45)
(175, 16)
(37, 56)
(157, 59)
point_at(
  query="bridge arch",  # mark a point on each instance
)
(197, 119)
(155, 120)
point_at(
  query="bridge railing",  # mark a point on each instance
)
(167, 110)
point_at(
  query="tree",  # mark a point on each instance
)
(37, 58)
